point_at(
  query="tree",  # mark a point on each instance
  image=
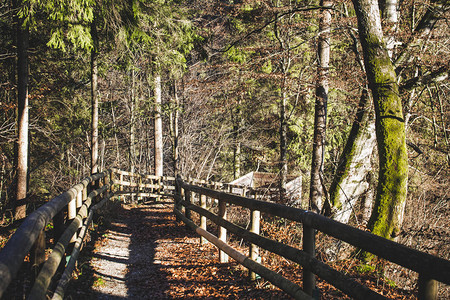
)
(350, 182)
(22, 31)
(393, 165)
(158, 139)
(320, 110)
(94, 98)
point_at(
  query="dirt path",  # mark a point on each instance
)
(146, 254)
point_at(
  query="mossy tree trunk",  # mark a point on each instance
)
(320, 110)
(387, 214)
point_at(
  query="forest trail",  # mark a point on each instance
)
(146, 254)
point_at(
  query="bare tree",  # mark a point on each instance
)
(158, 142)
(320, 115)
(22, 113)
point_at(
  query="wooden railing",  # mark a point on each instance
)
(430, 268)
(72, 212)
(137, 186)
(67, 212)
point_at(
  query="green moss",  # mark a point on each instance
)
(392, 185)
(365, 269)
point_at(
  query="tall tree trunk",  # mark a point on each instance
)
(237, 124)
(350, 182)
(320, 114)
(387, 214)
(94, 100)
(174, 116)
(283, 142)
(158, 129)
(285, 66)
(132, 149)
(22, 116)
(390, 15)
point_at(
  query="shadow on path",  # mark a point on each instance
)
(146, 254)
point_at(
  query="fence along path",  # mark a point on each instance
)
(71, 213)
(74, 211)
(430, 268)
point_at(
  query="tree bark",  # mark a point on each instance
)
(387, 214)
(390, 15)
(132, 149)
(22, 116)
(94, 100)
(237, 123)
(158, 129)
(174, 119)
(350, 183)
(320, 112)
(283, 142)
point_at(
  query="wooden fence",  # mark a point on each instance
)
(67, 211)
(72, 212)
(134, 187)
(430, 268)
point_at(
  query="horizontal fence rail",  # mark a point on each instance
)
(137, 186)
(72, 205)
(429, 267)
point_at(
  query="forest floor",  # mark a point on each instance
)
(144, 253)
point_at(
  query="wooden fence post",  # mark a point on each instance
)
(309, 280)
(223, 257)
(112, 176)
(178, 198)
(160, 189)
(203, 219)
(132, 189)
(139, 189)
(254, 250)
(188, 199)
(58, 230)
(428, 288)
(72, 209)
(58, 225)
(79, 201)
(37, 254)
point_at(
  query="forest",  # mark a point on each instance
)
(350, 96)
